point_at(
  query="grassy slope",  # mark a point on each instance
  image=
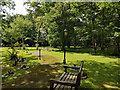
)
(102, 71)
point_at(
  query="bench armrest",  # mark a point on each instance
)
(72, 67)
(62, 82)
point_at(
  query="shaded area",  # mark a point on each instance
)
(37, 78)
(101, 75)
(89, 51)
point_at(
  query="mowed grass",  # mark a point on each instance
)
(103, 71)
(38, 79)
(32, 62)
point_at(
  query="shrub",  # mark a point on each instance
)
(12, 55)
(17, 44)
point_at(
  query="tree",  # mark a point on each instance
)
(18, 30)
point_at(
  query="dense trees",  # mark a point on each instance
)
(4, 23)
(19, 29)
(93, 24)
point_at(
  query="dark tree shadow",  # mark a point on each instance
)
(101, 75)
(87, 50)
(37, 78)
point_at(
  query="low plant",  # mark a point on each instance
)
(17, 44)
(12, 55)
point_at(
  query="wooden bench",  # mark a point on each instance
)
(68, 80)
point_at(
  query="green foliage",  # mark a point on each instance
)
(17, 44)
(12, 55)
(32, 61)
(18, 29)
(9, 4)
(93, 24)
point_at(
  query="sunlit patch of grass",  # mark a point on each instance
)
(110, 86)
(99, 68)
(49, 59)
(102, 70)
(32, 61)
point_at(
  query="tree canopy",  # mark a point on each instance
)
(89, 24)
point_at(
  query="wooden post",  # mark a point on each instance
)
(51, 85)
(39, 54)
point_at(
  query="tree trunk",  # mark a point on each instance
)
(68, 44)
(75, 42)
(95, 46)
(101, 42)
(116, 49)
(22, 41)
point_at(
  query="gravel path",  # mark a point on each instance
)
(37, 53)
(47, 59)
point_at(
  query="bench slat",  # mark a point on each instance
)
(64, 79)
(64, 76)
(74, 78)
(70, 80)
(67, 79)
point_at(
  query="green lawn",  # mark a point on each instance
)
(102, 70)
(32, 61)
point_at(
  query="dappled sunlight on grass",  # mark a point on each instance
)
(80, 56)
(26, 78)
(37, 78)
(50, 59)
(99, 74)
(110, 86)
(31, 61)
(100, 69)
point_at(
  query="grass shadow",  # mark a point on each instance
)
(101, 75)
(37, 78)
(32, 58)
(87, 50)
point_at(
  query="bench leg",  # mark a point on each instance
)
(76, 88)
(51, 86)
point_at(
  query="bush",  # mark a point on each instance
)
(12, 55)
(17, 44)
